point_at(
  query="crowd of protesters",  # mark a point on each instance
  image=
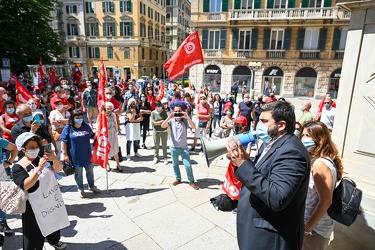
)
(64, 113)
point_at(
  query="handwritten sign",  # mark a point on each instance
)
(48, 204)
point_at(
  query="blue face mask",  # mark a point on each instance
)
(296, 132)
(159, 108)
(143, 99)
(229, 113)
(10, 110)
(78, 120)
(307, 142)
(262, 131)
(27, 118)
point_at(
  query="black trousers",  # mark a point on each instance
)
(32, 236)
(144, 127)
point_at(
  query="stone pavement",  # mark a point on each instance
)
(142, 210)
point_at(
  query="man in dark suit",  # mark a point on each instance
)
(272, 200)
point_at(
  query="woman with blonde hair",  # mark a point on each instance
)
(326, 170)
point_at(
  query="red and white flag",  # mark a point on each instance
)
(186, 56)
(22, 94)
(52, 76)
(231, 185)
(40, 74)
(101, 145)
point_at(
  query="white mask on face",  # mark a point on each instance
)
(32, 153)
(109, 96)
(5, 96)
(59, 107)
(62, 96)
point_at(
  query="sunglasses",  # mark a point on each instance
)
(327, 103)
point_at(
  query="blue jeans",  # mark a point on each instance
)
(3, 216)
(175, 152)
(89, 176)
(129, 145)
(216, 121)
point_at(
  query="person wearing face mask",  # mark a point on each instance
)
(109, 98)
(112, 135)
(77, 75)
(246, 109)
(272, 199)
(8, 120)
(226, 125)
(326, 170)
(203, 111)
(145, 110)
(3, 97)
(257, 106)
(27, 124)
(271, 98)
(234, 91)
(158, 116)
(177, 142)
(328, 113)
(89, 103)
(59, 118)
(131, 93)
(298, 129)
(178, 100)
(77, 135)
(31, 173)
(217, 106)
(151, 98)
(227, 102)
(165, 105)
(60, 94)
(306, 114)
(210, 101)
(321, 106)
(132, 128)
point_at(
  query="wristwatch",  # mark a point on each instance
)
(39, 172)
(307, 232)
(10, 163)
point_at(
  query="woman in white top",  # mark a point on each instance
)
(326, 170)
(58, 118)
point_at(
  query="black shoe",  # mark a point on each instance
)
(5, 228)
(1, 240)
(144, 146)
(192, 149)
(59, 245)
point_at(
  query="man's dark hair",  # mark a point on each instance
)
(282, 111)
(8, 102)
(58, 89)
(177, 105)
(176, 95)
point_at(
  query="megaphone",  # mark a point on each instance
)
(214, 148)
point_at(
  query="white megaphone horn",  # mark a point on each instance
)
(214, 148)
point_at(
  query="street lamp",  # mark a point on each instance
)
(254, 66)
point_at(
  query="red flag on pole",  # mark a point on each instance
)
(186, 56)
(101, 145)
(52, 76)
(40, 74)
(231, 185)
(22, 94)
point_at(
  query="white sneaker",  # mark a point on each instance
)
(137, 154)
(165, 161)
(155, 160)
(128, 157)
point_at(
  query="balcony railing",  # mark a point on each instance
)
(339, 54)
(291, 13)
(275, 53)
(244, 53)
(216, 16)
(309, 54)
(212, 53)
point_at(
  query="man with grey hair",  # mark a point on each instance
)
(306, 116)
(26, 124)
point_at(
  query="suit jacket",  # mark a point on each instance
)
(272, 200)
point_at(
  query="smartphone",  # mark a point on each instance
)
(178, 114)
(37, 119)
(48, 148)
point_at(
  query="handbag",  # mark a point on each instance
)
(202, 124)
(68, 168)
(346, 202)
(12, 198)
(120, 159)
(56, 134)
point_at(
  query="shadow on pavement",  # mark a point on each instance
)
(139, 169)
(206, 183)
(86, 210)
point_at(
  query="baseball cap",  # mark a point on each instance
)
(241, 120)
(58, 100)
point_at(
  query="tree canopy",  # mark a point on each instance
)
(26, 34)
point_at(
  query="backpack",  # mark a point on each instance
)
(346, 202)
(222, 202)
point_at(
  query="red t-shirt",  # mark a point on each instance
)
(116, 104)
(9, 121)
(203, 110)
(63, 100)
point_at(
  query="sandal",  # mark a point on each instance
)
(119, 169)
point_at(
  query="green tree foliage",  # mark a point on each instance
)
(25, 33)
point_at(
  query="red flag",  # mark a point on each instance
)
(22, 93)
(101, 145)
(52, 76)
(186, 56)
(40, 74)
(231, 185)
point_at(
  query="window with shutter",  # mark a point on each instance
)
(223, 39)
(344, 34)
(270, 4)
(291, 3)
(266, 39)
(97, 52)
(257, 4)
(254, 39)
(287, 38)
(224, 5)
(311, 39)
(77, 52)
(89, 50)
(322, 39)
(70, 52)
(244, 40)
(110, 52)
(277, 39)
(300, 38)
(204, 39)
(206, 5)
(235, 39)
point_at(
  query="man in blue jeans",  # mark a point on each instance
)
(178, 122)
